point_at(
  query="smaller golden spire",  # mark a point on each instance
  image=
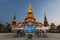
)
(14, 18)
(14, 21)
(45, 18)
(30, 7)
(45, 21)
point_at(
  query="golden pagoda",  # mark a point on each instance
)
(30, 16)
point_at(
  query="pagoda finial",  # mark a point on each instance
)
(30, 7)
(45, 14)
(44, 11)
(45, 18)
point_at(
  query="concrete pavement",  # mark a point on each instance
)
(12, 36)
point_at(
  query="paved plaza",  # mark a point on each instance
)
(12, 36)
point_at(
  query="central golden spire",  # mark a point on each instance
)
(30, 7)
(30, 16)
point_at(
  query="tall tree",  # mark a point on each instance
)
(8, 28)
(58, 28)
(1, 27)
(53, 27)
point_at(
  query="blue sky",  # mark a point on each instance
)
(9, 7)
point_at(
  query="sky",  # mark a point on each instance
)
(9, 7)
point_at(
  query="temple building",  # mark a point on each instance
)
(30, 26)
(30, 17)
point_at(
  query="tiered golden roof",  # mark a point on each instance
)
(20, 24)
